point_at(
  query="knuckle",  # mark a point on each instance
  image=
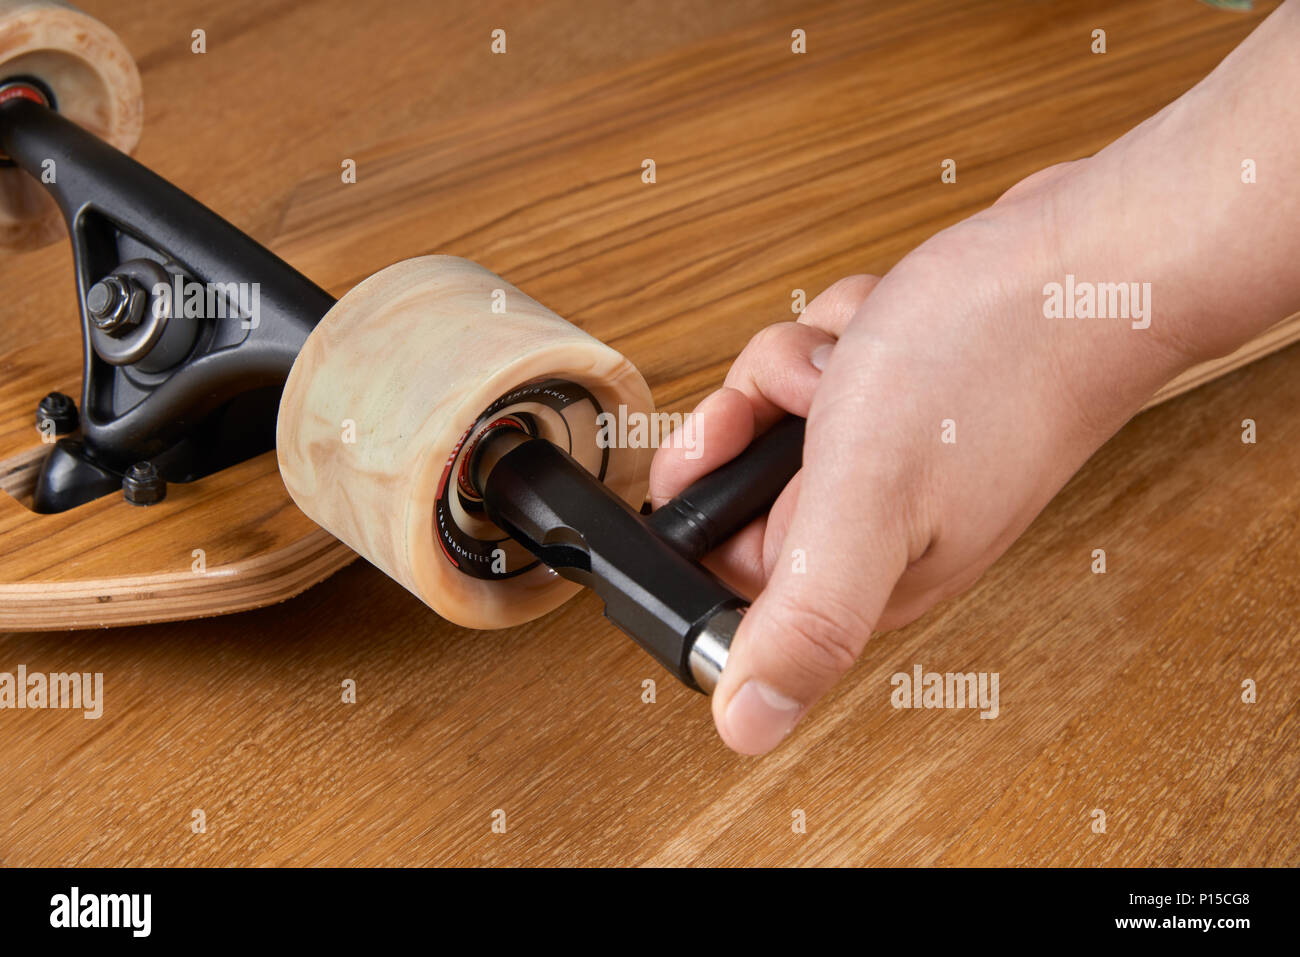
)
(822, 640)
(770, 339)
(766, 361)
(851, 291)
(835, 305)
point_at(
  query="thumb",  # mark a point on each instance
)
(838, 564)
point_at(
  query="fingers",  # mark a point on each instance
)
(773, 376)
(830, 583)
(838, 303)
(779, 370)
(723, 426)
(776, 374)
(793, 643)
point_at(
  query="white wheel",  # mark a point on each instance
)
(385, 401)
(92, 80)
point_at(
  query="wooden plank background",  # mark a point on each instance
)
(1119, 692)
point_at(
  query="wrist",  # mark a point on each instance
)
(1199, 201)
(1080, 305)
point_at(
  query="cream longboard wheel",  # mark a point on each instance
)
(79, 67)
(386, 400)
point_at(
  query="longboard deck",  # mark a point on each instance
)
(1277, 337)
(226, 543)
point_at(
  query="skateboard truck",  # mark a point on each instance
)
(178, 400)
(190, 397)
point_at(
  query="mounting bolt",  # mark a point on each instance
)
(115, 302)
(59, 410)
(142, 485)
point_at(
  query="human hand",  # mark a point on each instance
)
(944, 411)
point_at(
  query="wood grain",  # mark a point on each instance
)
(227, 543)
(1119, 692)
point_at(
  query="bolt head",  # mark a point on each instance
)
(100, 299)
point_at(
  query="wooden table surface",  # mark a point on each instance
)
(1120, 692)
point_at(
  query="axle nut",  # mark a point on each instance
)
(115, 303)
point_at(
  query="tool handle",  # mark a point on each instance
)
(717, 506)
